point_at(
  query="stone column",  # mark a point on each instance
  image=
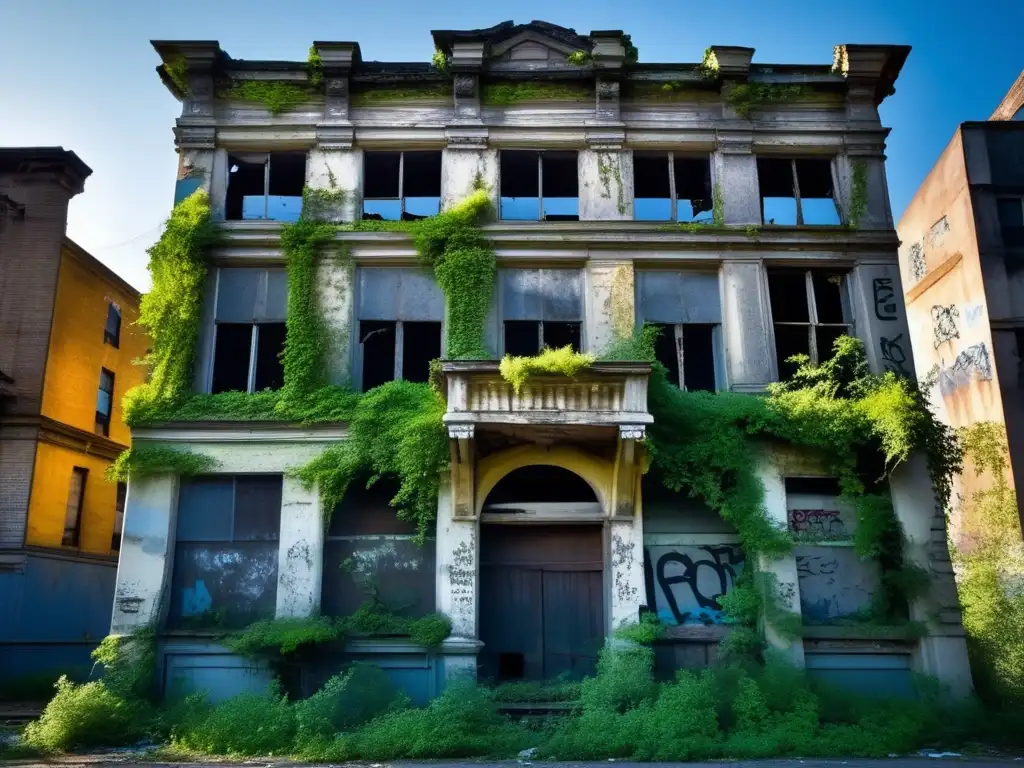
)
(605, 181)
(783, 569)
(735, 178)
(610, 305)
(745, 324)
(300, 559)
(943, 652)
(880, 316)
(466, 163)
(147, 553)
(456, 580)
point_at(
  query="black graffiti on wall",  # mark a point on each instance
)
(893, 356)
(944, 323)
(721, 564)
(885, 301)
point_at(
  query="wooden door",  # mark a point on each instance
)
(541, 601)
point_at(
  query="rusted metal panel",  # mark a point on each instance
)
(541, 294)
(678, 297)
(388, 293)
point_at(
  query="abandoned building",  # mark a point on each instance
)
(962, 237)
(67, 340)
(548, 534)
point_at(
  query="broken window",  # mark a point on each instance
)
(670, 187)
(370, 553)
(74, 506)
(265, 186)
(540, 308)
(1011, 220)
(225, 552)
(539, 186)
(250, 329)
(104, 402)
(400, 314)
(401, 185)
(122, 496)
(797, 191)
(112, 329)
(810, 310)
(686, 306)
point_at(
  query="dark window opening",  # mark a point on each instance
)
(787, 292)
(377, 339)
(1011, 220)
(122, 495)
(809, 312)
(797, 192)
(539, 185)
(421, 344)
(666, 351)
(266, 188)
(269, 347)
(693, 188)
(825, 340)
(232, 348)
(1018, 335)
(104, 402)
(815, 486)
(698, 357)
(828, 296)
(401, 185)
(790, 340)
(511, 666)
(73, 509)
(522, 338)
(538, 484)
(257, 508)
(112, 329)
(557, 335)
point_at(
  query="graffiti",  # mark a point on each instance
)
(622, 563)
(973, 363)
(821, 521)
(944, 323)
(973, 315)
(885, 304)
(893, 356)
(918, 264)
(939, 229)
(834, 582)
(688, 580)
(196, 600)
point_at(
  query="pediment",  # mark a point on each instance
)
(533, 47)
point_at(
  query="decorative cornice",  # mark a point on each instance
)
(239, 432)
(57, 433)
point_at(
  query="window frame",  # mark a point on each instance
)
(75, 538)
(717, 361)
(812, 314)
(113, 339)
(673, 192)
(401, 182)
(540, 181)
(104, 422)
(399, 345)
(840, 212)
(266, 182)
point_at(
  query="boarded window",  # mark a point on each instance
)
(401, 185)
(104, 402)
(797, 191)
(686, 306)
(226, 551)
(539, 186)
(540, 307)
(250, 329)
(265, 186)
(400, 314)
(73, 509)
(122, 496)
(667, 186)
(810, 310)
(370, 555)
(112, 329)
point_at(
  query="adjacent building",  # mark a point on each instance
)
(548, 535)
(961, 256)
(67, 341)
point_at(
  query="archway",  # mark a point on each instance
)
(541, 576)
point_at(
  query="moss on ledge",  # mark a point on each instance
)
(368, 97)
(504, 93)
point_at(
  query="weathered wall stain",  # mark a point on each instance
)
(623, 557)
(973, 363)
(834, 582)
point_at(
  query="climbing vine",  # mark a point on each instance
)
(143, 459)
(315, 67)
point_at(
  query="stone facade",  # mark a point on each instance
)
(623, 154)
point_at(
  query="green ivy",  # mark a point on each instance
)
(858, 194)
(368, 97)
(315, 67)
(440, 60)
(580, 58)
(277, 96)
(176, 68)
(504, 94)
(143, 459)
(748, 96)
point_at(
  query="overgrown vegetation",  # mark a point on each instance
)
(505, 94)
(277, 96)
(144, 459)
(315, 67)
(745, 97)
(368, 97)
(176, 68)
(858, 193)
(562, 362)
(990, 561)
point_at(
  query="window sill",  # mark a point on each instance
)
(858, 632)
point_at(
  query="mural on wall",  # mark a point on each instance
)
(686, 580)
(973, 363)
(834, 582)
(944, 323)
(918, 264)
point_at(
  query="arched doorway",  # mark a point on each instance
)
(541, 576)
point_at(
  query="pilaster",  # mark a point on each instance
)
(605, 180)
(301, 551)
(466, 64)
(881, 317)
(610, 305)
(457, 574)
(745, 324)
(735, 178)
(466, 163)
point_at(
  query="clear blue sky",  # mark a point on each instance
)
(81, 74)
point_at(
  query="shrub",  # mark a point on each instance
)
(248, 724)
(88, 715)
(345, 701)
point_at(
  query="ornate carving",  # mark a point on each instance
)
(607, 90)
(465, 86)
(337, 88)
(631, 431)
(195, 137)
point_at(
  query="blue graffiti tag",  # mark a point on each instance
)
(196, 600)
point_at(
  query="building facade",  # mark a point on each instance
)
(742, 206)
(67, 343)
(962, 239)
